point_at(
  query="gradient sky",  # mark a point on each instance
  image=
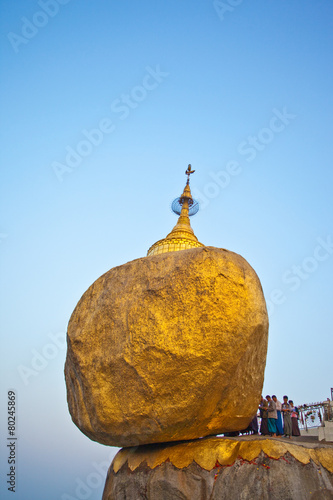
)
(244, 94)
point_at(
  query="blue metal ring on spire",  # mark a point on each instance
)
(176, 206)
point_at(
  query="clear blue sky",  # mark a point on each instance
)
(103, 106)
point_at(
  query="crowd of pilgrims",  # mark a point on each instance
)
(277, 419)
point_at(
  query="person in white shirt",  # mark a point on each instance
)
(279, 426)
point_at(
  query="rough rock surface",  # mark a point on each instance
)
(265, 479)
(298, 474)
(168, 347)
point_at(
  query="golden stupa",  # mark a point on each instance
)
(168, 347)
(182, 236)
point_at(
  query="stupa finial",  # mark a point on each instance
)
(182, 236)
(188, 172)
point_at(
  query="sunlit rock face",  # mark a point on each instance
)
(222, 469)
(166, 348)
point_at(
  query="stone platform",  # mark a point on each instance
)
(216, 468)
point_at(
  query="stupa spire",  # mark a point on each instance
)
(182, 236)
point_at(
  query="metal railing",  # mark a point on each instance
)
(314, 414)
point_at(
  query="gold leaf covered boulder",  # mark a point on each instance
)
(169, 347)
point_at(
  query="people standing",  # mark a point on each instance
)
(294, 419)
(286, 412)
(272, 416)
(264, 417)
(279, 427)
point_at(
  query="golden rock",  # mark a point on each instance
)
(168, 347)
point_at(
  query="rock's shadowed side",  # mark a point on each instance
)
(168, 347)
(263, 478)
